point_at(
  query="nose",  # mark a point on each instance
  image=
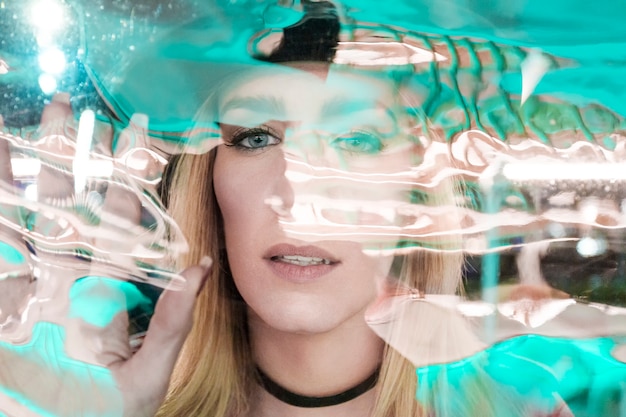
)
(310, 147)
(302, 152)
(281, 197)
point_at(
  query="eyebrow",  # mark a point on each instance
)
(342, 106)
(274, 106)
(270, 104)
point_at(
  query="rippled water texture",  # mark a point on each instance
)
(504, 141)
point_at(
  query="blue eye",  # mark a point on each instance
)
(254, 139)
(359, 142)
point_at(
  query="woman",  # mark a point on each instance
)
(278, 327)
(305, 329)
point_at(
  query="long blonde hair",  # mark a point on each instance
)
(214, 374)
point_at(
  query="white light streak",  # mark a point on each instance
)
(4, 67)
(383, 53)
(475, 308)
(580, 171)
(534, 67)
(23, 167)
(83, 146)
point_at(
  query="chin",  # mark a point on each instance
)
(298, 319)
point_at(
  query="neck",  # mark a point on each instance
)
(317, 364)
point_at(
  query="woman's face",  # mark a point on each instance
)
(273, 125)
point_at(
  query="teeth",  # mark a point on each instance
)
(302, 260)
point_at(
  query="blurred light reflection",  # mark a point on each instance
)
(30, 192)
(52, 61)
(4, 67)
(47, 16)
(47, 83)
(590, 246)
(23, 167)
(383, 53)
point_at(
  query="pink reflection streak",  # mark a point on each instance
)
(332, 203)
(435, 328)
(61, 228)
(374, 207)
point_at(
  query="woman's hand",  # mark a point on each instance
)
(85, 367)
(78, 360)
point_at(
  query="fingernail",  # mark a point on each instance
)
(62, 98)
(205, 263)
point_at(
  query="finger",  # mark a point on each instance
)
(97, 319)
(121, 202)
(8, 211)
(54, 182)
(135, 153)
(57, 117)
(16, 281)
(6, 169)
(41, 378)
(172, 318)
(150, 368)
(53, 186)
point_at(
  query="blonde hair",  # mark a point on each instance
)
(214, 374)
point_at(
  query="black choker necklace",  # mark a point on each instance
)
(304, 401)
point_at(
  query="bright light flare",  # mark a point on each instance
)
(25, 168)
(47, 15)
(52, 61)
(589, 246)
(47, 83)
(31, 192)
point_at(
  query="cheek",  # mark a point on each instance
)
(232, 193)
(229, 197)
(242, 187)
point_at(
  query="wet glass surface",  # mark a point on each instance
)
(490, 135)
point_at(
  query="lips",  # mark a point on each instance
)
(300, 263)
(301, 260)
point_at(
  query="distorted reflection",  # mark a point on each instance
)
(55, 215)
(444, 200)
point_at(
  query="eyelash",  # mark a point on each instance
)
(341, 141)
(242, 134)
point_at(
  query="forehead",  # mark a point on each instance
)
(312, 94)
